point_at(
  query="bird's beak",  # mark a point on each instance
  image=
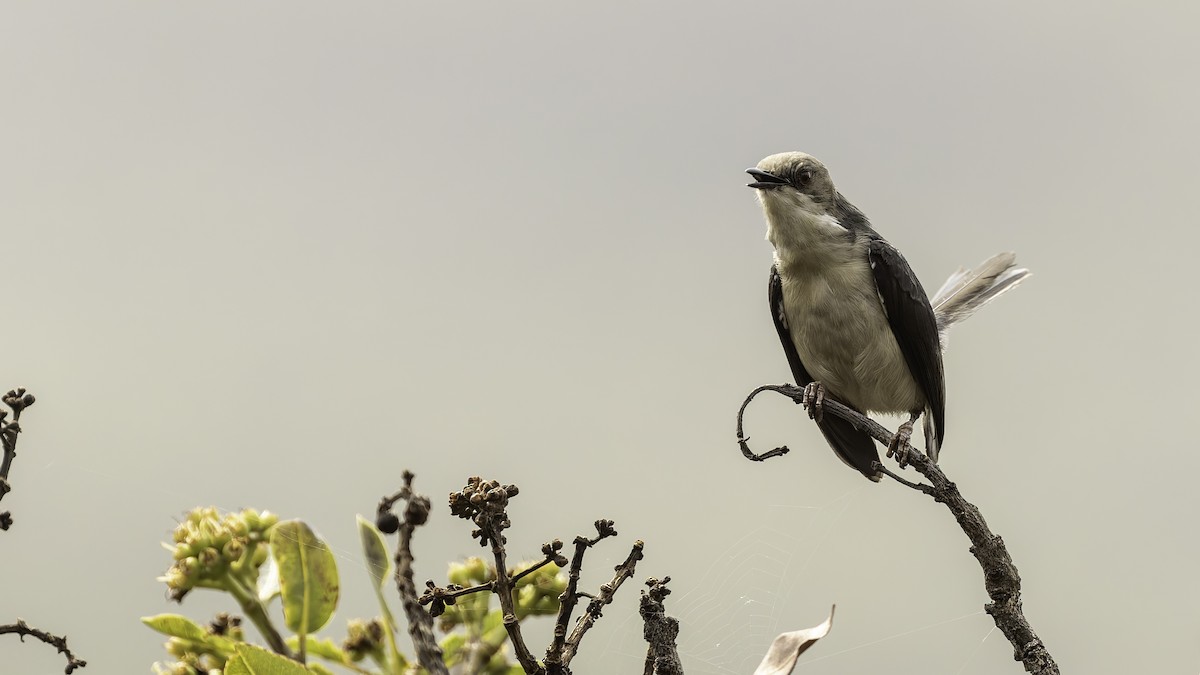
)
(764, 180)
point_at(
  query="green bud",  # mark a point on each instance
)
(233, 550)
(250, 517)
(176, 578)
(260, 555)
(459, 574)
(209, 558)
(559, 585)
(477, 570)
(182, 551)
(177, 648)
(189, 567)
(238, 526)
(268, 519)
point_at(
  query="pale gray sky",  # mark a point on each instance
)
(273, 254)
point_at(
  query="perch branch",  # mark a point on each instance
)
(1000, 576)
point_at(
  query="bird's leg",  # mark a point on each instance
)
(899, 447)
(814, 398)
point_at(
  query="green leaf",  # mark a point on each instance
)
(252, 660)
(379, 563)
(324, 648)
(183, 628)
(307, 576)
(176, 625)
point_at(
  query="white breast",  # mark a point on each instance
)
(841, 333)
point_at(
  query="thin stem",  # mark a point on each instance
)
(17, 400)
(420, 624)
(257, 613)
(60, 643)
(508, 610)
(592, 613)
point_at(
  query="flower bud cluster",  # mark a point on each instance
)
(364, 639)
(484, 503)
(209, 547)
(18, 400)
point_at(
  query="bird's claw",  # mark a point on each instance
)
(899, 447)
(814, 400)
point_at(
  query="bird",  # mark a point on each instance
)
(854, 320)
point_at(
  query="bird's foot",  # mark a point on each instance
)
(899, 447)
(814, 400)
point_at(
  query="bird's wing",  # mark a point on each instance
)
(915, 327)
(854, 447)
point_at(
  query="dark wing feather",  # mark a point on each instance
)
(852, 446)
(913, 323)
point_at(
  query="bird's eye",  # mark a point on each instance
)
(802, 176)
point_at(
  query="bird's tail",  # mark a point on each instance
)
(967, 290)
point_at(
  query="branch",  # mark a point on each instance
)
(18, 400)
(439, 597)
(555, 661)
(1000, 576)
(592, 613)
(420, 624)
(485, 503)
(743, 440)
(660, 631)
(21, 628)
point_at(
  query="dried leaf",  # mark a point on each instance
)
(787, 648)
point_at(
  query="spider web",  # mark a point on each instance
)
(759, 570)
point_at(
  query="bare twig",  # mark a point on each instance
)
(660, 631)
(439, 597)
(1000, 576)
(592, 613)
(420, 624)
(555, 661)
(744, 441)
(485, 503)
(18, 400)
(21, 628)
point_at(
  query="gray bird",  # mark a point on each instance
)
(854, 321)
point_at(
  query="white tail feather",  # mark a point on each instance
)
(968, 290)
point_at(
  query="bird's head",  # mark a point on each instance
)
(793, 181)
(802, 207)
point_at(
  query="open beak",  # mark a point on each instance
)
(764, 180)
